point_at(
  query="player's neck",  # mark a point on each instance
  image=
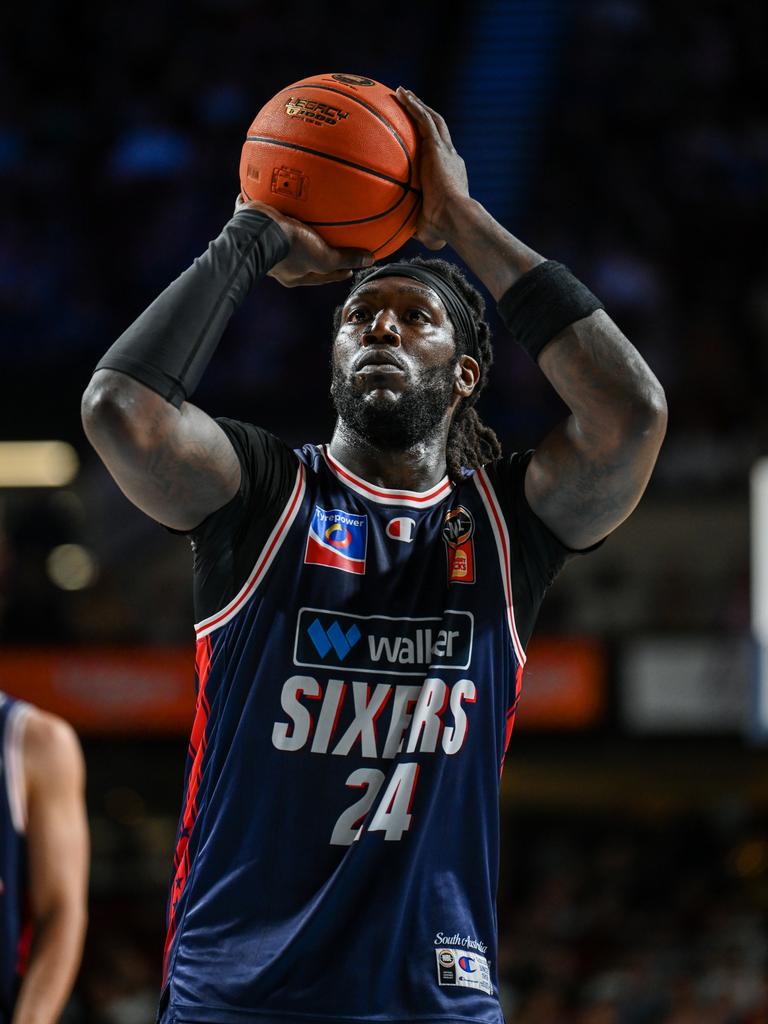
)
(415, 469)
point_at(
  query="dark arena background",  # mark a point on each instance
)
(626, 138)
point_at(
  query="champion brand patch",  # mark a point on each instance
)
(337, 539)
(464, 969)
(401, 529)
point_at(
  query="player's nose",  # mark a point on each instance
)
(383, 328)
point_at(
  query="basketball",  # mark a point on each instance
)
(339, 153)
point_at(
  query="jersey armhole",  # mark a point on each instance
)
(503, 550)
(264, 560)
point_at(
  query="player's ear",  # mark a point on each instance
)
(467, 375)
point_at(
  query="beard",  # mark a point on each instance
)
(399, 424)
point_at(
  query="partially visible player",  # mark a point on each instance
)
(44, 853)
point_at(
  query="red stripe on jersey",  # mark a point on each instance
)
(500, 533)
(197, 744)
(511, 715)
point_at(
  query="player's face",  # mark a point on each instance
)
(394, 362)
(391, 330)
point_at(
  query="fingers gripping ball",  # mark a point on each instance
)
(341, 154)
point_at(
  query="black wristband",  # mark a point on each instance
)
(171, 343)
(542, 302)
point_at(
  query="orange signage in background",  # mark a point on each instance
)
(114, 691)
(564, 685)
(107, 690)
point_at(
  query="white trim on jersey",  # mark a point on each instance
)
(13, 756)
(503, 547)
(263, 562)
(386, 495)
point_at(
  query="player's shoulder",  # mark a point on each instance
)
(507, 473)
(248, 438)
(50, 745)
(268, 465)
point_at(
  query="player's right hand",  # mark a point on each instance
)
(310, 259)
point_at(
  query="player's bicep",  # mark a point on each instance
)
(589, 473)
(57, 828)
(582, 494)
(183, 478)
(177, 465)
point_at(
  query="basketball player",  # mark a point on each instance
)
(364, 605)
(43, 863)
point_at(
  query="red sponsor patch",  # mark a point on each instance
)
(458, 528)
(337, 539)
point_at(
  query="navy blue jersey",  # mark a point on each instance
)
(15, 930)
(359, 656)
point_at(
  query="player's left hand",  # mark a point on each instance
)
(443, 174)
(310, 260)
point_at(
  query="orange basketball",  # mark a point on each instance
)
(339, 153)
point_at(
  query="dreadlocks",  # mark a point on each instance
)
(471, 443)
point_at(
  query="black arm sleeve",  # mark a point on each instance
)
(537, 555)
(227, 544)
(171, 343)
(542, 302)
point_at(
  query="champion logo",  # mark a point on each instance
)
(333, 637)
(401, 529)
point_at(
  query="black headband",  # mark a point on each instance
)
(459, 313)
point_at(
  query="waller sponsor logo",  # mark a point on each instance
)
(383, 644)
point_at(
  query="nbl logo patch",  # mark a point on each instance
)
(337, 539)
(458, 528)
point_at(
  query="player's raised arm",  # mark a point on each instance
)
(169, 457)
(589, 473)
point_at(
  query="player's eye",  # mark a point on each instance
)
(353, 313)
(418, 313)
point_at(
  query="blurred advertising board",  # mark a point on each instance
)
(564, 685)
(686, 684)
(107, 690)
(151, 690)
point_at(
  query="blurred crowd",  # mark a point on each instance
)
(610, 922)
(654, 185)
